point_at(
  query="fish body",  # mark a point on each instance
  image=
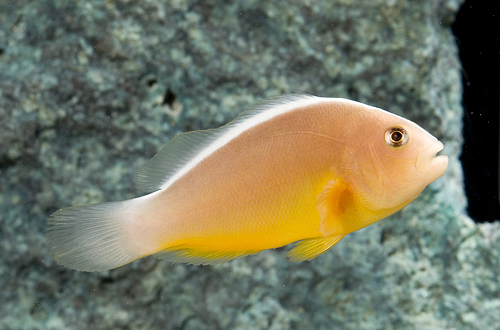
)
(297, 168)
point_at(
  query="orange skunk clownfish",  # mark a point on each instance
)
(296, 168)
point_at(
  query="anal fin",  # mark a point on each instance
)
(194, 256)
(310, 248)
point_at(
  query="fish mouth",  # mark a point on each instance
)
(430, 161)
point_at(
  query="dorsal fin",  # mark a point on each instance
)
(186, 150)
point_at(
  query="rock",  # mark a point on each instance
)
(90, 90)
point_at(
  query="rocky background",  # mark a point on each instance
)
(90, 90)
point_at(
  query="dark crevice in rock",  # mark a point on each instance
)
(477, 29)
(169, 98)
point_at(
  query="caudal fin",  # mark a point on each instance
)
(92, 237)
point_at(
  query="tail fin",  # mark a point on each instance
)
(92, 237)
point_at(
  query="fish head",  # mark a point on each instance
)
(396, 159)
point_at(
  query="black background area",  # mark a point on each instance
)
(477, 31)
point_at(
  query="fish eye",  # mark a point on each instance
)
(396, 136)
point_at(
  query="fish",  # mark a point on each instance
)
(292, 169)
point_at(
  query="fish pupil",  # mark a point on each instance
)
(396, 137)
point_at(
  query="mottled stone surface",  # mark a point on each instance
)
(90, 90)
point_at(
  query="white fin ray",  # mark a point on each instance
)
(186, 150)
(90, 237)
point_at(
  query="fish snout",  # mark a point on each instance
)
(429, 162)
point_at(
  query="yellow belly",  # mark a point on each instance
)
(269, 220)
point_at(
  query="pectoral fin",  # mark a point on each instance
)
(310, 248)
(332, 204)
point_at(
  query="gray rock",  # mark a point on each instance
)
(90, 90)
